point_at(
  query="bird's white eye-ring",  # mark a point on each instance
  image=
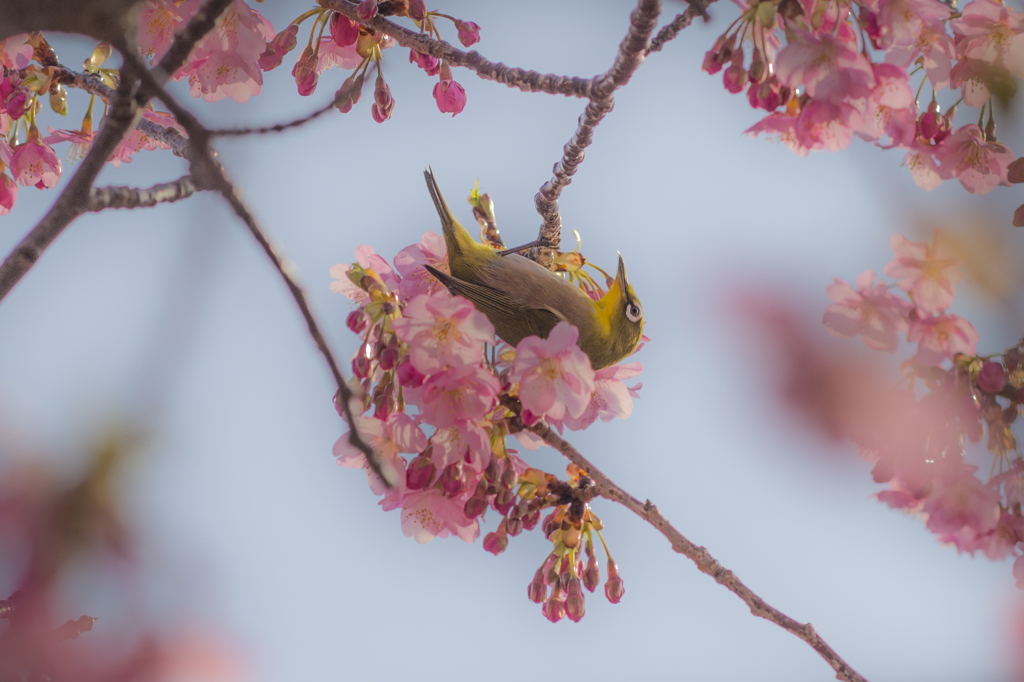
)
(634, 312)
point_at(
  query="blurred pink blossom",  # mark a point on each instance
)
(940, 337)
(921, 271)
(870, 311)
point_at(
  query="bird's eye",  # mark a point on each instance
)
(633, 312)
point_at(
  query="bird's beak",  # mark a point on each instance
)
(621, 275)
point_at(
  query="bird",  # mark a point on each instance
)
(522, 298)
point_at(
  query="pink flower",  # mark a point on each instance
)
(554, 376)
(902, 22)
(443, 331)
(374, 264)
(870, 310)
(35, 163)
(959, 500)
(829, 68)
(304, 72)
(428, 514)
(920, 270)
(972, 77)
(8, 193)
(891, 93)
(16, 52)
(464, 442)
(13, 99)
(825, 126)
(934, 47)
(780, 127)
(997, 543)
(611, 397)
(225, 63)
(136, 140)
(334, 54)
(979, 165)
(283, 43)
(458, 394)
(940, 337)
(991, 32)
(922, 166)
(387, 438)
(469, 32)
(81, 141)
(410, 261)
(157, 22)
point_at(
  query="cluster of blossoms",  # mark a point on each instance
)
(352, 46)
(431, 361)
(916, 439)
(847, 68)
(227, 62)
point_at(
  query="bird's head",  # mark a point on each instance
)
(622, 315)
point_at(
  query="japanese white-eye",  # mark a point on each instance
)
(522, 298)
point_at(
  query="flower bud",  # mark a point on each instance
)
(735, 78)
(537, 590)
(591, 574)
(725, 53)
(417, 10)
(383, 102)
(304, 72)
(495, 543)
(361, 366)
(469, 32)
(531, 519)
(283, 43)
(356, 321)
(344, 31)
(992, 377)
(554, 608)
(420, 472)
(509, 477)
(575, 605)
(453, 479)
(59, 100)
(571, 538)
(409, 376)
(614, 588)
(929, 124)
(1011, 358)
(474, 507)
(427, 62)
(515, 526)
(503, 500)
(367, 9)
(388, 358)
(712, 63)
(1015, 171)
(757, 71)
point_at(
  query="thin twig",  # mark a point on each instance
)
(706, 563)
(672, 29)
(630, 56)
(522, 79)
(276, 128)
(207, 172)
(101, 198)
(124, 110)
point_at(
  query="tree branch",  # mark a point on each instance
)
(628, 59)
(522, 79)
(126, 104)
(277, 127)
(706, 563)
(671, 30)
(101, 198)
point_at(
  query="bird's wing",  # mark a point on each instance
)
(534, 286)
(487, 300)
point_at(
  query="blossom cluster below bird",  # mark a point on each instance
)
(435, 383)
(916, 438)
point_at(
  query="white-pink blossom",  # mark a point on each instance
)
(554, 376)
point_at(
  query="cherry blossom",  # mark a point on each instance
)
(399, 433)
(611, 398)
(960, 500)
(449, 95)
(891, 93)
(333, 54)
(410, 261)
(8, 193)
(980, 165)
(428, 514)
(461, 393)
(462, 442)
(922, 271)
(870, 311)
(16, 52)
(35, 163)
(830, 68)
(554, 375)
(443, 331)
(991, 32)
(940, 337)
(373, 264)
